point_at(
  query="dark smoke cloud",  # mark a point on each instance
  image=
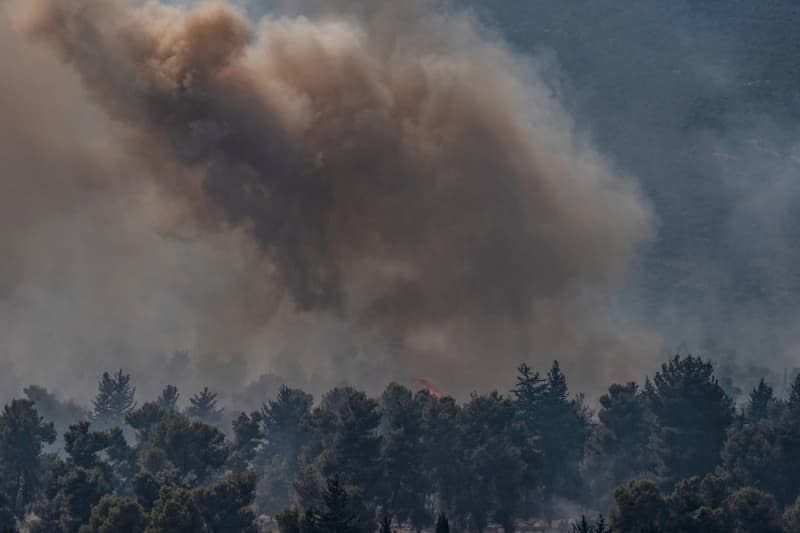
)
(389, 188)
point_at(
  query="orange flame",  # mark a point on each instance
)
(424, 384)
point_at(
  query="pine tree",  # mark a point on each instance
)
(23, 435)
(692, 415)
(176, 510)
(639, 507)
(556, 391)
(442, 524)
(80, 489)
(386, 524)
(226, 504)
(356, 443)
(247, 437)
(288, 520)
(283, 420)
(168, 400)
(582, 526)
(145, 418)
(406, 482)
(204, 407)
(82, 446)
(794, 396)
(114, 400)
(620, 439)
(528, 393)
(759, 402)
(309, 523)
(600, 526)
(340, 514)
(749, 509)
(559, 423)
(195, 449)
(115, 513)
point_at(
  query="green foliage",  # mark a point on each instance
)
(203, 407)
(353, 450)
(176, 512)
(529, 391)
(83, 448)
(600, 525)
(310, 522)
(168, 399)
(286, 431)
(791, 517)
(23, 435)
(386, 525)
(195, 449)
(750, 510)
(225, 505)
(639, 506)
(493, 461)
(442, 524)
(759, 402)
(692, 414)
(560, 425)
(115, 398)
(582, 526)
(145, 418)
(766, 456)
(334, 399)
(146, 488)
(284, 424)
(618, 447)
(288, 520)
(794, 397)
(247, 437)
(695, 505)
(114, 514)
(8, 523)
(625, 428)
(338, 517)
(443, 457)
(80, 489)
(83, 445)
(405, 485)
(344, 512)
(488, 462)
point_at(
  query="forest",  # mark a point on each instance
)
(673, 454)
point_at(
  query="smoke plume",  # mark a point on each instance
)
(353, 193)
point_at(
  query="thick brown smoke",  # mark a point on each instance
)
(408, 183)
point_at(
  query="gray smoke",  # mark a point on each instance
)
(699, 101)
(350, 194)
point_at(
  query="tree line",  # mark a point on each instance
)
(674, 454)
